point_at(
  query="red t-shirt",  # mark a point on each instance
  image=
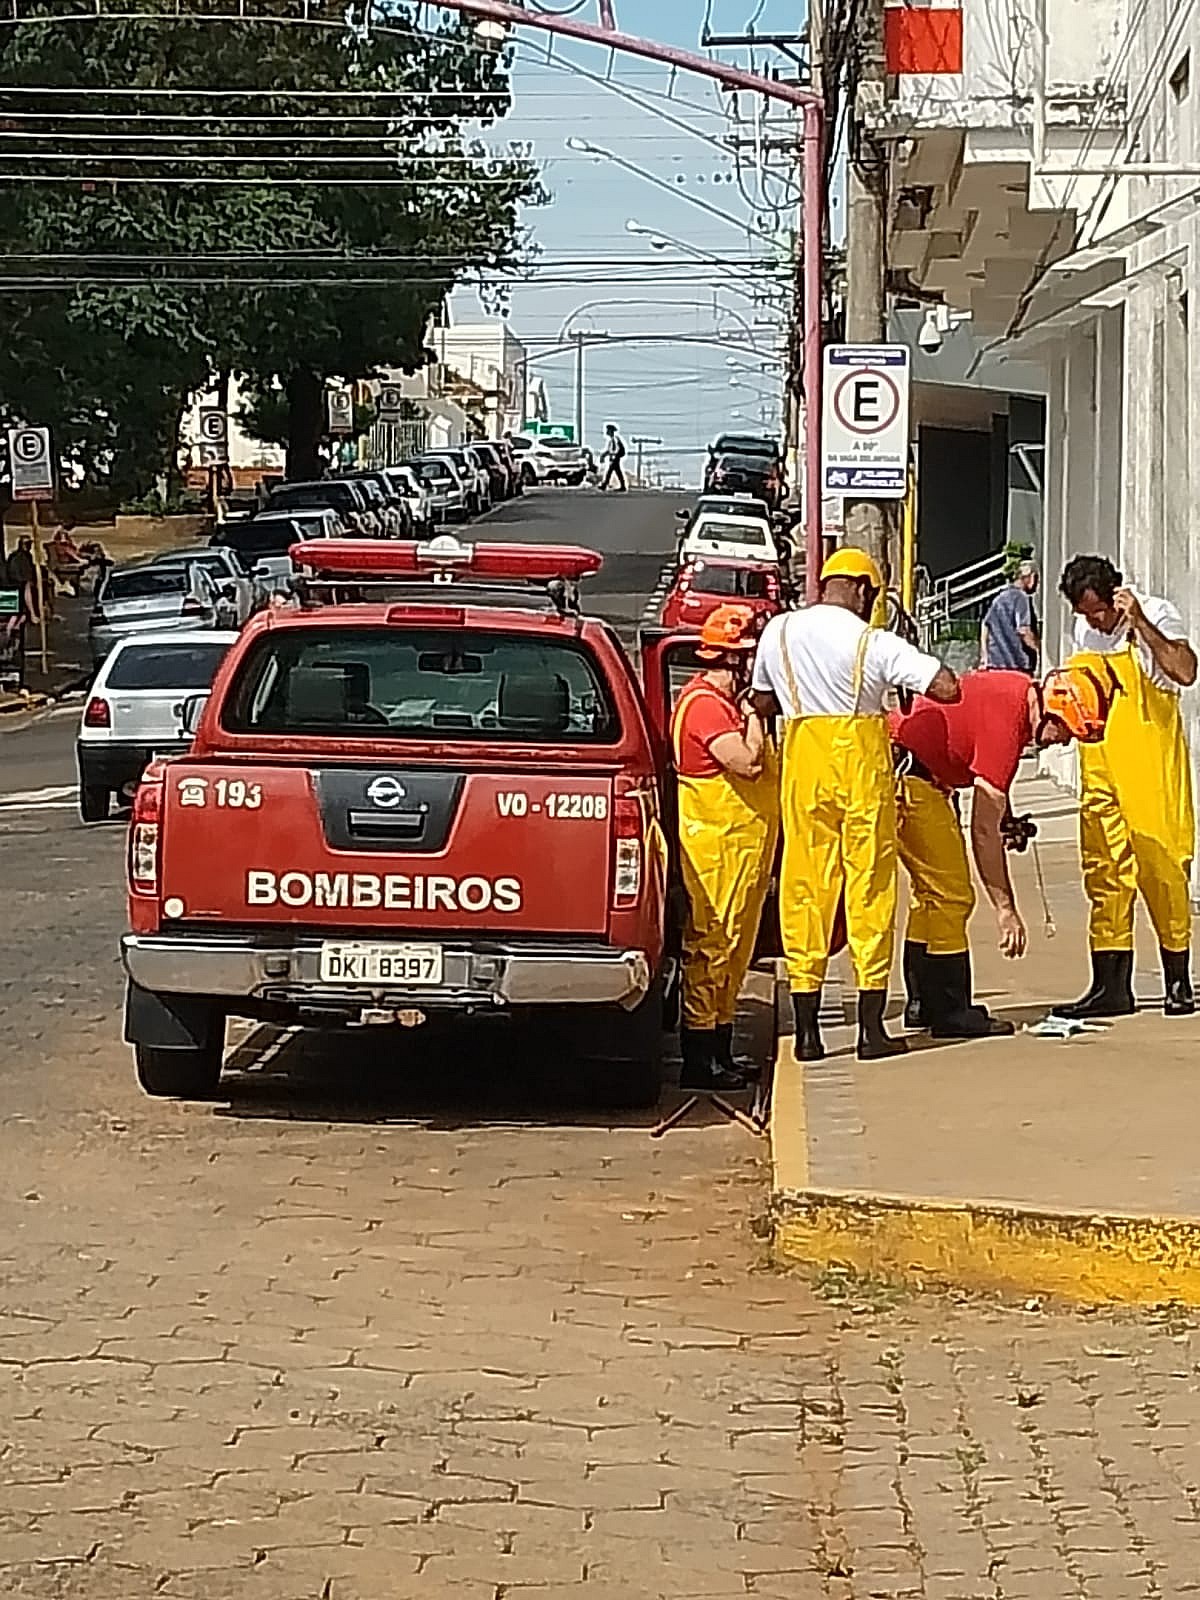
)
(983, 736)
(702, 714)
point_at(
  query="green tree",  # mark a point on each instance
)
(324, 269)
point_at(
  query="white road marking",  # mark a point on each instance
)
(49, 799)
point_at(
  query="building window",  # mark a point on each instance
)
(1181, 78)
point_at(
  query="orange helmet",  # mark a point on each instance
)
(728, 628)
(1081, 700)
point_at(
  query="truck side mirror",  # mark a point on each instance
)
(190, 713)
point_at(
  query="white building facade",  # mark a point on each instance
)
(1052, 190)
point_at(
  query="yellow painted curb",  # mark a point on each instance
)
(1088, 1257)
(1097, 1259)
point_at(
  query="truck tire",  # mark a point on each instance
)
(93, 802)
(178, 1042)
(181, 1074)
(623, 1051)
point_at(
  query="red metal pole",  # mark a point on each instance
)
(813, 107)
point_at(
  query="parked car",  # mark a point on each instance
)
(389, 508)
(147, 595)
(339, 494)
(504, 448)
(240, 592)
(499, 486)
(262, 542)
(745, 535)
(758, 475)
(705, 583)
(475, 478)
(417, 496)
(134, 710)
(446, 485)
(746, 444)
(553, 460)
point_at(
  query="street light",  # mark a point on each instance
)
(667, 241)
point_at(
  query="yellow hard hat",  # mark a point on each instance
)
(851, 563)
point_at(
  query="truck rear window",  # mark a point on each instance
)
(422, 683)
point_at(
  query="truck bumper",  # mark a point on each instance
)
(501, 975)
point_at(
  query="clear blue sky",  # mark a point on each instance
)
(670, 389)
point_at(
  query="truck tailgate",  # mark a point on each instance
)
(342, 846)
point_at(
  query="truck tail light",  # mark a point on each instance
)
(144, 837)
(627, 855)
(98, 713)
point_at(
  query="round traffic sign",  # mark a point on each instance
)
(390, 399)
(30, 446)
(214, 427)
(857, 413)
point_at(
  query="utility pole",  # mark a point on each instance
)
(579, 418)
(640, 442)
(872, 525)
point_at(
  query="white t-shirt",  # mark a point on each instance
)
(1160, 613)
(822, 646)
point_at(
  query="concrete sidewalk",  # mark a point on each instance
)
(1023, 1164)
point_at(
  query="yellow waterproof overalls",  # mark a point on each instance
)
(728, 827)
(839, 836)
(934, 854)
(1137, 824)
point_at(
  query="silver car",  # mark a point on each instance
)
(419, 497)
(447, 487)
(240, 593)
(134, 710)
(148, 595)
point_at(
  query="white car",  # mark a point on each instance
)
(419, 497)
(735, 529)
(135, 709)
(550, 459)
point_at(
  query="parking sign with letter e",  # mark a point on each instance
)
(865, 422)
(31, 463)
(214, 437)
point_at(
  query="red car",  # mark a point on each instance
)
(706, 582)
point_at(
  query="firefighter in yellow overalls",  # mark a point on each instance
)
(728, 787)
(1137, 825)
(826, 673)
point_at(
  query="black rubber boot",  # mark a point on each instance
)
(725, 1058)
(1111, 994)
(1177, 979)
(948, 1002)
(807, 1010)
(914, 958)
(700, 1073)
(874, 1041)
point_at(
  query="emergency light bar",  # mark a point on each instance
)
(343, 560)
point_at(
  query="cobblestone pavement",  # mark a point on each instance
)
(341, 1337)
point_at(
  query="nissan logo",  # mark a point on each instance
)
(386, 793)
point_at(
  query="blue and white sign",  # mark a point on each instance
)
(865, 422)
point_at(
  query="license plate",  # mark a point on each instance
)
(416, 966)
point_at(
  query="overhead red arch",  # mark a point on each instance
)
(809, 103)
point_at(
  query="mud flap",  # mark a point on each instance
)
(167, 1021)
